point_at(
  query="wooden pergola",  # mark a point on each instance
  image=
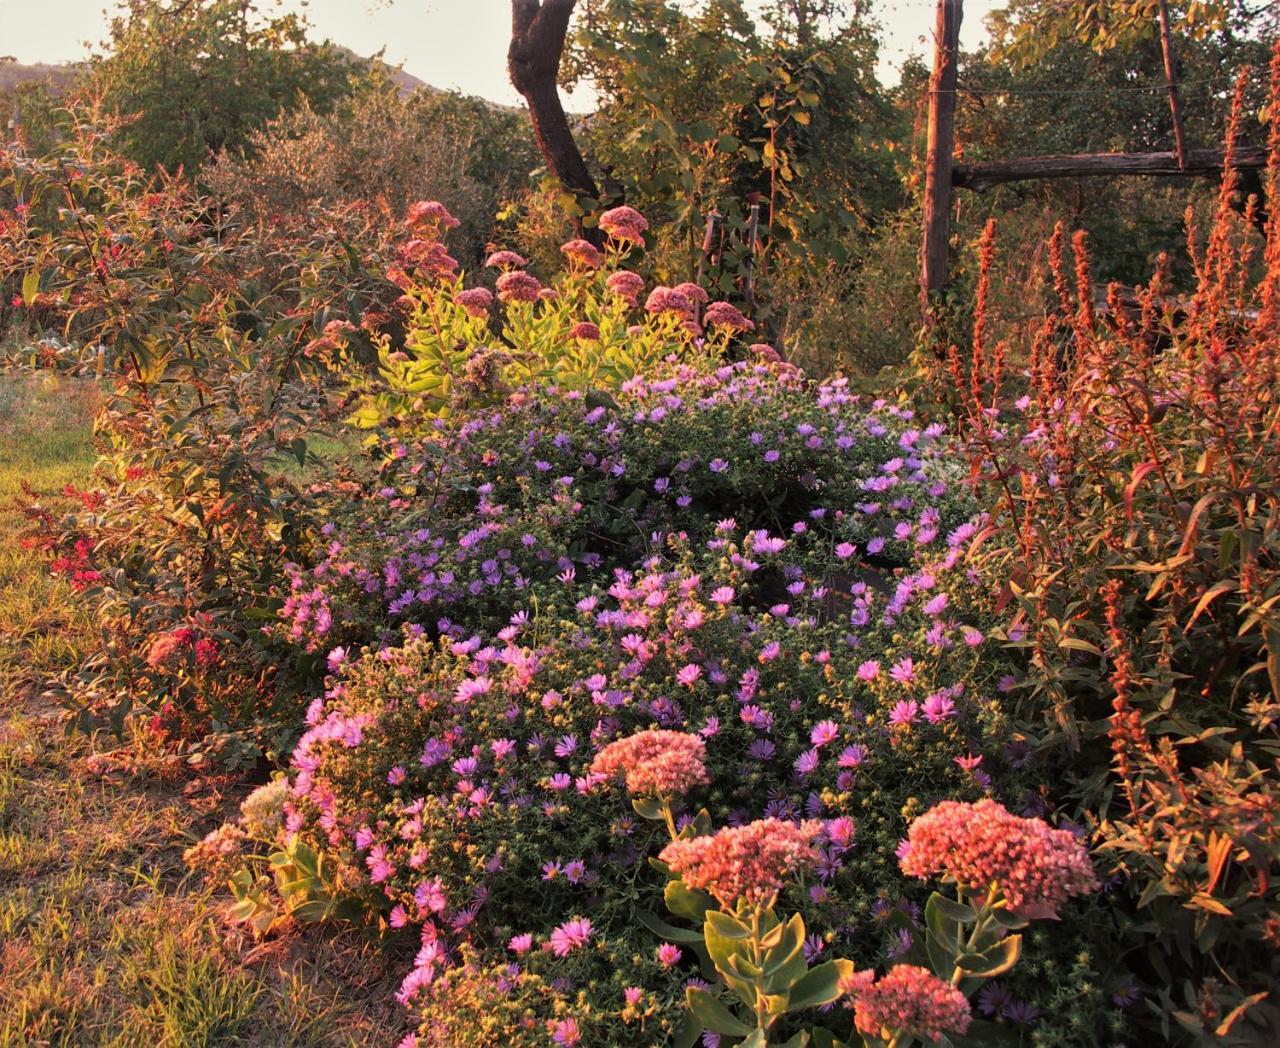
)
(943, 175)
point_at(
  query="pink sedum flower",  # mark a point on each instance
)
(727, 316)
(582, 253)
(475, 301)
(505, 260)
(625, 224)
(424, 211)
(626, 285)
(1037, 867)
(518, 286)
(907, 1000)
(586, 331)
(750, 862)
(655, 763)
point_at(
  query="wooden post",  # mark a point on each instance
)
(1171, 77)
(938, 161)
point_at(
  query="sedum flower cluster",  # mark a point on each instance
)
(1036, 867)
(655, 763)
(751, 862)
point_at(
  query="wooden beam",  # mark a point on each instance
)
(938, 160)
(1199, 163)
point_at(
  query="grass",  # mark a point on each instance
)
(105, 938)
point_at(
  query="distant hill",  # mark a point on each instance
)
(62, 75)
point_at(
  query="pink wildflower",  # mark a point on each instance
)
(625, 224)
(668, 300)
(505, 260)
(586, 331)
(977, 845)
(750, 862)
(907, 1000)
(626, 285)
(423, 211)
(582, 252)
(725, 315)
(518, 286)
(570, 936)
(655, 763)
(669, 955)
(475, 301)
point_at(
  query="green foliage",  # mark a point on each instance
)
(198, 77)
(215, 336)
(381, 145)
(701, 111)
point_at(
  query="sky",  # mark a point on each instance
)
(451, 44)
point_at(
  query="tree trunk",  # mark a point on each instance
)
(538, 29)
(937, 181)
(1199, 162)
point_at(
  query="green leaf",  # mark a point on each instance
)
(647, 807)
(820, 984)
(685, 902)
(30, 287)
(666, 931)
(713, 1015)
(999, 959)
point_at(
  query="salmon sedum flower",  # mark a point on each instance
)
(751, 862)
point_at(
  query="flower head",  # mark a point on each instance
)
(910, 1000)
(582, 252)
(625, 224)
(626, 285)
(475, 301)
(515, 285)
(505, 260)
(977, 845)
(750, 862)
(655, 763)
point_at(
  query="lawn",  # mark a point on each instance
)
(104, 937)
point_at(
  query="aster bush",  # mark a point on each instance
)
(555, 614)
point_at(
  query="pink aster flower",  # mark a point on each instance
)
(669, 955)
(625, 224)
(655, 763)
(908, 1001)
(824, 732)
(869, 670)
(722, 595)
(750, 862)
(689, 675)
(564, 1032)
(978, 845)
(570, 936)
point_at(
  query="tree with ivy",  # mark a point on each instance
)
(196, 76)
(702, 107)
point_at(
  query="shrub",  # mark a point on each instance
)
(379, 145)
(219, 336)
(1150, 623)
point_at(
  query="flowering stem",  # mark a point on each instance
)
(984, 920)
